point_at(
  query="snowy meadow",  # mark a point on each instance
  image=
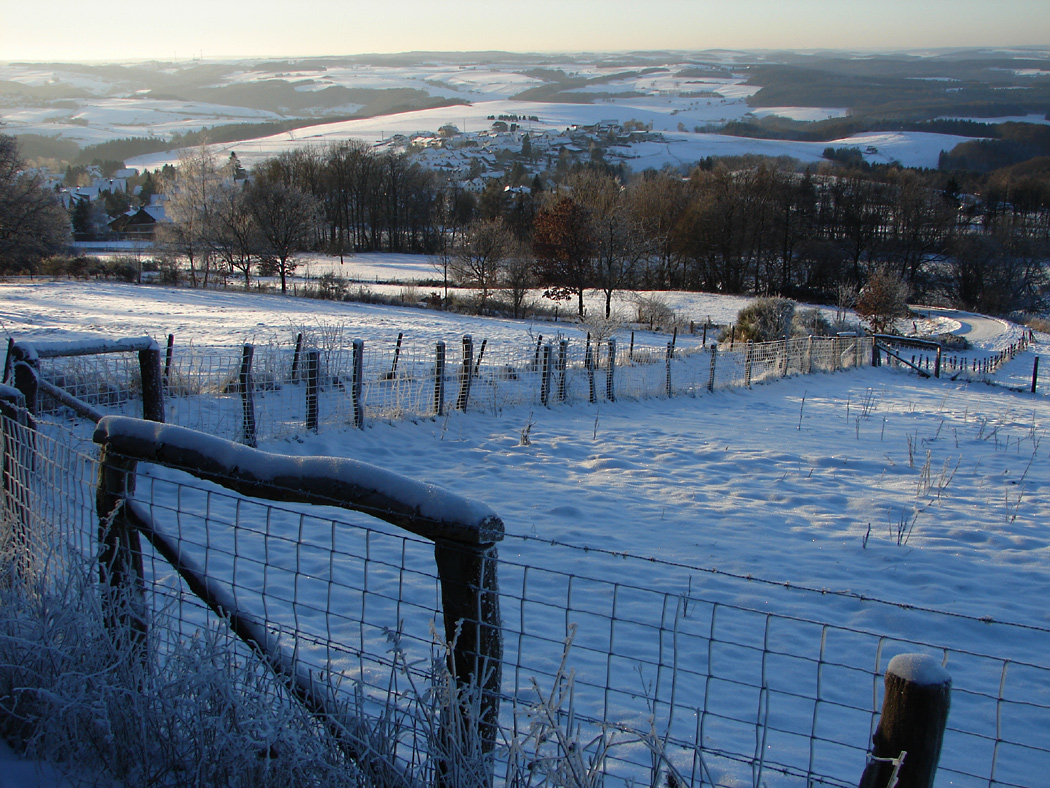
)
(733, 569)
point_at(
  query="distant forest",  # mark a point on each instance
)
(750, 226)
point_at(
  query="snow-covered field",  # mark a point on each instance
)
(805, 482)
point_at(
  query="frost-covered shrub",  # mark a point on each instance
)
(765, 320)
(653, 310)
(811, 323)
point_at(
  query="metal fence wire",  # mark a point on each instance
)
(204, 390)
(651, 667)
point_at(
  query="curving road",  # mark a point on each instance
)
(983, 332)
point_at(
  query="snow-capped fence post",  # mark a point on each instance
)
(152, 383)
(937, 362)
(749, 360)
(294, 377)
(120, 556)
(247, 389)
(714, 361)
(670, 355)
(357, 382)
(313, 386)
(610, 373)
(911, 728)
(809, 355)
(536, 355)
(588, 362)
(26, 373)
(17, 460)
(439, 379)
(465, 373)
(545, 376)
(1035, 373)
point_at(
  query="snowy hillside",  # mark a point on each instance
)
(847, 499)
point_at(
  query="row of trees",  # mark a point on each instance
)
(222, 223)
(759, 226)
(764, 227)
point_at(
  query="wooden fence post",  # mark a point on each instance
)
(8, 361)
(914, 714)
(749, 360)
(295, 358)
(610, 374)
(397, 355)
(357, 382)
(481, 355)
(545, 376)
(26, 367)
(470, 604)
(1035, 373)
(247, 389)
(714, 360)
(169, 354)
(313, 387)
(465, 373)
(563, 362)
(439, 379)
(152, 384)
(120, 557)
(536, 355)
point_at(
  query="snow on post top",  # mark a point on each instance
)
(921, 669)
(35, 349)
(423, 509)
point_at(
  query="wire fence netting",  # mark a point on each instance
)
(650, 667)
(289, 389)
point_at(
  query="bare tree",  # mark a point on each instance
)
(191, 202)
(232, 231)
(478, 257)
(519, 277)
(285, 220)
(619, 244)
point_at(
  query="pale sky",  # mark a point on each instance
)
(181, 29)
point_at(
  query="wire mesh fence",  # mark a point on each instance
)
(205, 388)
(646, 668)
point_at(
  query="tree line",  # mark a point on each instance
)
(755, 225)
